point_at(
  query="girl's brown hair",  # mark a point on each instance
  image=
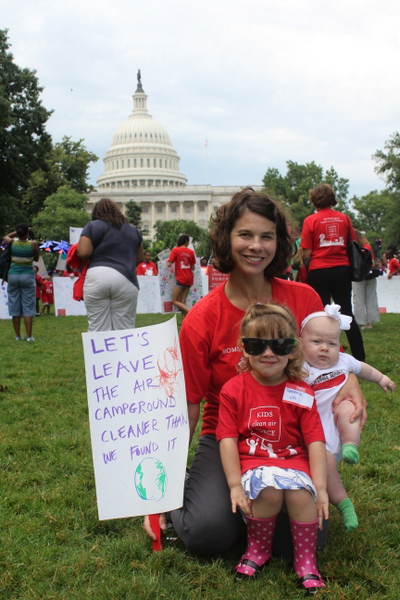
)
(224, 221)
(361, 239)
(268, 321)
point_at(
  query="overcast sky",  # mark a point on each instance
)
(264, 81)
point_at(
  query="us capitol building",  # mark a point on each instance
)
(141, 165)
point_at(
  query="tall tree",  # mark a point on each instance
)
(388, 165)
(389, 162)
(24, 142)
(293, 187)
(67, 163)
(379, 216)
(64, 209)
(133, 212)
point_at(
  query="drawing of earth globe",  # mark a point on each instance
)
(151, 479)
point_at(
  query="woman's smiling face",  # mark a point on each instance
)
(253, 243)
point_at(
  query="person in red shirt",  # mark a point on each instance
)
(252, 245)
(39, 283)
(146, 267)
(393, 264)
(324, 239)
(185, 260)
(47, 294)
(272, 443)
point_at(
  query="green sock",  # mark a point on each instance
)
(350, 454)
(348, 513)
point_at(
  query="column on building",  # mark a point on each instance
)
(195, 212)
(209, 209)
(153, 219)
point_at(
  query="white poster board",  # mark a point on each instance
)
(138, 419)
(168, 281)
(149, 298)
(74, 234)
(61, 262)
(64, 303)
(42, 267)
(4, 301)
(388, 293)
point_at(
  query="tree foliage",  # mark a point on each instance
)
(389, 162)
(293, 187)
(24, 142)
(64, 209)
(167, 233)
(133, 212)
(67, 163)
(379, 216)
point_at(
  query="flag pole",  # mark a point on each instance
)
(206, 145)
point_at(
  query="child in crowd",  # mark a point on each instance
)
(147, 267)
(328, 370)
(392, 264)
(39, 283)
(204, 265)
(272, 443)
(47, 294)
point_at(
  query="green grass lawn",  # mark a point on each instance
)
(53, 546)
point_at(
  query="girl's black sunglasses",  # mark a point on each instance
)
(280, 346)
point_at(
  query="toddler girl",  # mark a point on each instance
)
(272, 443)
(328, 370)
(47, 294)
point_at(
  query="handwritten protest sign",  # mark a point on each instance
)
(138, 419)
(75, 234)
(4, 301)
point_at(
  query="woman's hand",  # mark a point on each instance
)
(148, 529)
(351, 391)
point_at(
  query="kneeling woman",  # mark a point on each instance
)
(251, 242)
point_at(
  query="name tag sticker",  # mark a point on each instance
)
(298, 395)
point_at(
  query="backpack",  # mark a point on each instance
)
(360, 261)
(5, 262)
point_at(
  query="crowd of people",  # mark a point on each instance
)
(282, 403)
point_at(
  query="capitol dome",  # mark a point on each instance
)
(141, 153)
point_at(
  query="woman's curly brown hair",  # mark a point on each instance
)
(224, 221)
(271, 321)
(106, 210)
(323, 196)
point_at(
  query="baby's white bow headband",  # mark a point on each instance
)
(331, 310)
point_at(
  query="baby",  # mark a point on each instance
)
(328, 370)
